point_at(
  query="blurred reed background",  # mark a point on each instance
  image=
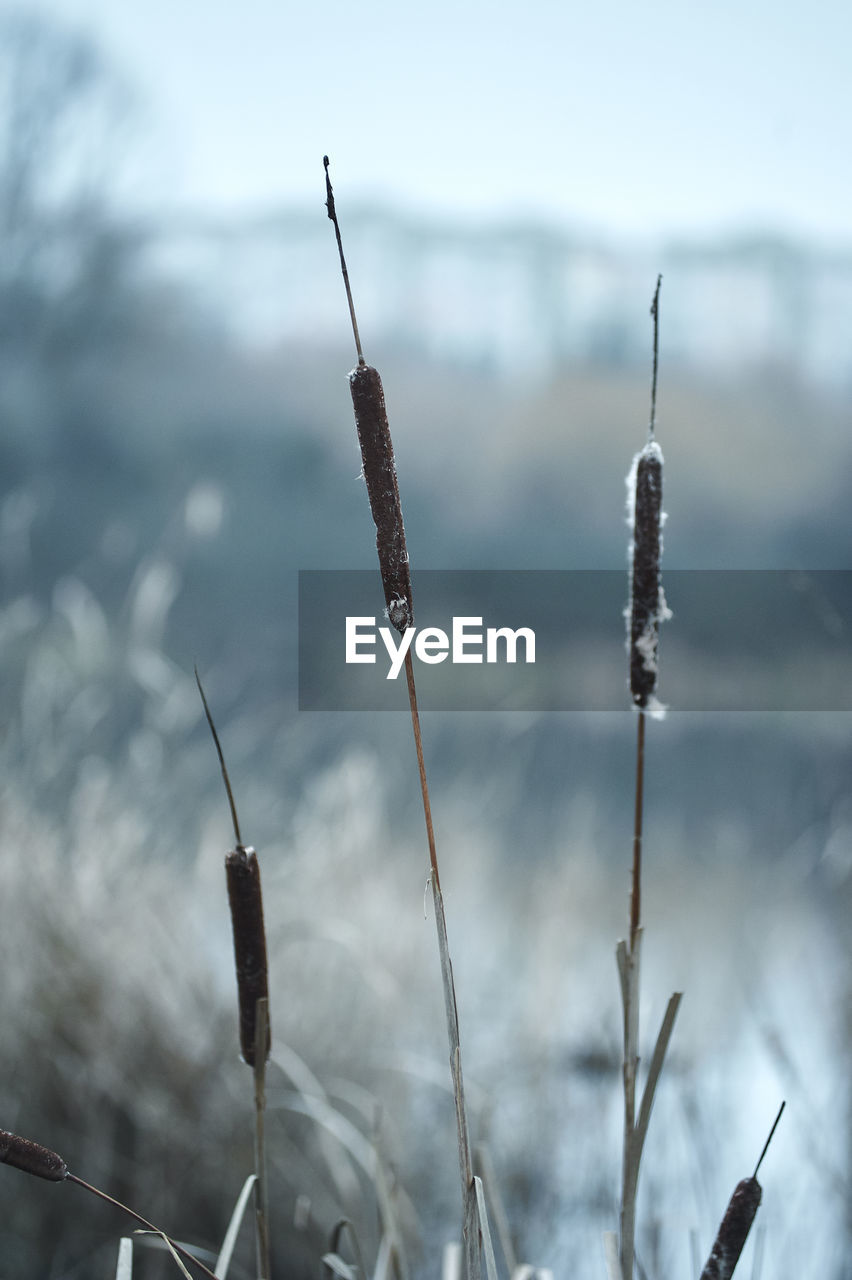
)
(177, 442)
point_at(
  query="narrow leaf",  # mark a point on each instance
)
(344, 1224)
(338, 1267)
(498, 1209)
(451, 1263)
(488, 1247)
(230, 1240)
(124, 1266)
(161, 1235)
(654, 1074)
(383, 1258)
(613, 1265)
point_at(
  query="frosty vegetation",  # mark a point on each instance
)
(161, 485)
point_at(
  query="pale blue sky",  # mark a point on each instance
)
(633, 119)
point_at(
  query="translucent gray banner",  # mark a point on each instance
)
(744, 640)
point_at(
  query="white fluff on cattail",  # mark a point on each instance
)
(646, 644)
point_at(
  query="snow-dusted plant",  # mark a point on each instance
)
(646, 610)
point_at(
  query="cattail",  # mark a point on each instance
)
(647, 601)
(245, 898)
(242, 873)
(380, 475)
(371, 420)
(737, 1221)
(735, 1227)
(647, 608)
(31, 1157)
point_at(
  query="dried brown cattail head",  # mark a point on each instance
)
(647, 601)
(242, 873)
(31, 1157)
(371, 420)
(732, 1234)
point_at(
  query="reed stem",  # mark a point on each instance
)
(470, 1220)
(261, 1052)
(636, 888)
(647, 609)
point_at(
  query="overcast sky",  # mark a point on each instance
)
(632, 119)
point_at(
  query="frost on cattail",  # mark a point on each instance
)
(647, 608)
(242, 873)
(31, 1157)
(735, 1227)
(371, 420)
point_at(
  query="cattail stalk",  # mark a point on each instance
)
(736, 1224)
(383, 492)
(41, 1162)
(245, 899)
(644, 613)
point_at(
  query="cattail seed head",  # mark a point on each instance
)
(371, 420)
(31, 1157)
(242, 873)
(735, 1227)
(647, 602)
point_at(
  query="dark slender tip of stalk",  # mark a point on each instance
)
(655, 314)
(332, 213)
(227, 780)
(329, 194)
(769, 1139)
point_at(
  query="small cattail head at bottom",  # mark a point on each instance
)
(732, 1234)
(31, 1157)
(371, 420)
(242, 874)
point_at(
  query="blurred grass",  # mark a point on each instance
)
(120, 1042)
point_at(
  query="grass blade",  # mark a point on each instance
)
(168, 1245)
(124, 1266)
(654, 1074)
(230, 1240)
(487, 1245)
(498, 1209)
(338, 1267)
(613, 1265)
